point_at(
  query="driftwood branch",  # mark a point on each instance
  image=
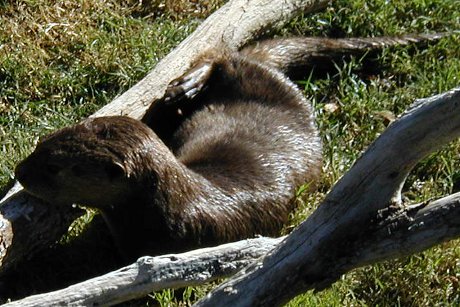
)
(362, 220)
(155, 273)
(28, 225)
(230, 27)
(408, 230)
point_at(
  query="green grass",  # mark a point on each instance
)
(432, 277)
(61, 62)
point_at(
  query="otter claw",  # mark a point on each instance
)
(189, 85)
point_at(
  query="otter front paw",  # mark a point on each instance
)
(190, 84)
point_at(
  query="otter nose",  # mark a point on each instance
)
(20, 172)
(25, 170)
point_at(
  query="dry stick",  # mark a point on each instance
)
(230, 27)
(28, 225)
(394, 236)
(155, 273)
(345, 232)
(411, 230)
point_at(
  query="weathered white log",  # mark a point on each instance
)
(231, 26)
(27, 225)
(150, 274)
(407, 230)
(358, 221)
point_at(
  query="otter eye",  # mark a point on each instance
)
(114, 170)
(53, 168)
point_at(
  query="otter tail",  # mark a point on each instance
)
(291, 54)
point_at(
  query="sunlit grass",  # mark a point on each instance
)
(364, 103)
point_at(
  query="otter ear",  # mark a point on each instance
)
(115, 170)
(98, 126)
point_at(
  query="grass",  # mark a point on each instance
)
(59, 62)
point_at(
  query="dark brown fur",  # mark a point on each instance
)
(229, 172)
(220, 161)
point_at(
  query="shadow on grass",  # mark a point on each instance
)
(90, 254)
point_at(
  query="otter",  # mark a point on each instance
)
(227, 173)
(219, 160)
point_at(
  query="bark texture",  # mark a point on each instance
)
(155, 273)
(362, 220)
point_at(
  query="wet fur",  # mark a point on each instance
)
(226, 171)
(220, 160)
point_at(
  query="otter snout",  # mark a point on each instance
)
(21, 172)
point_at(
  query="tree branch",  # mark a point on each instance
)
(229, 28)
(28, 225)
(410, 230)
(344, 232)
(396, 231)
(150, 274)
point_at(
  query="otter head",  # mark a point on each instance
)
(96, 163)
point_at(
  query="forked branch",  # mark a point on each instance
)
(149, 274)
(362, 219)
